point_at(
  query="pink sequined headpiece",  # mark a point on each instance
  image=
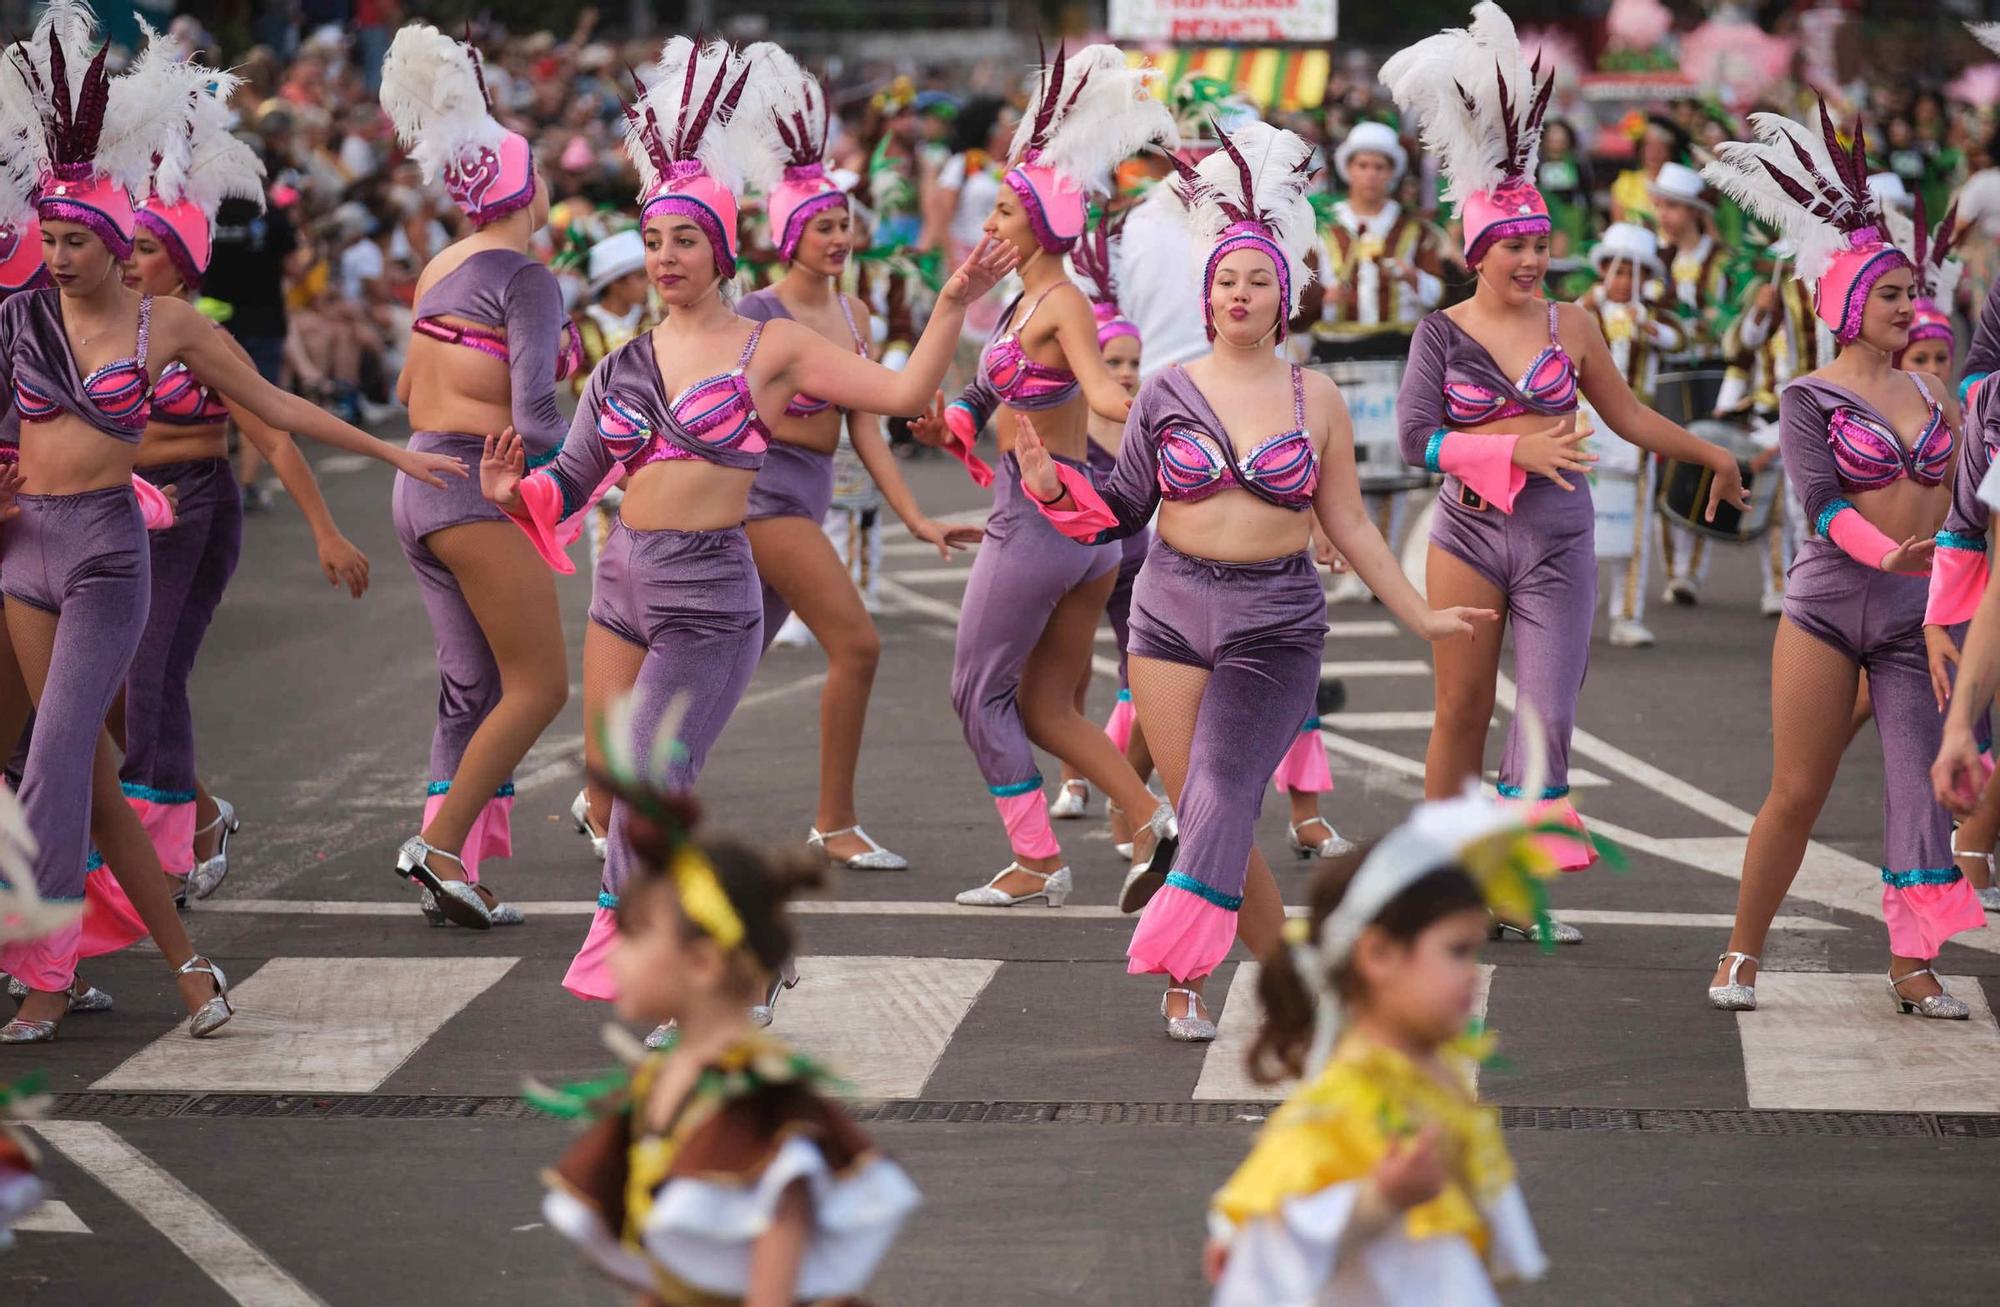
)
(682, 185)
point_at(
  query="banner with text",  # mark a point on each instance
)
(1249, 21)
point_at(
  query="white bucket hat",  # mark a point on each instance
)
(615, 257)
(1681, 184)
(1372, 138)
(1627, 242)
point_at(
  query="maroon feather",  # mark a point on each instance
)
(478, 66)
(726, 111)
(1248, 209)
(92, 98)
(693, 128)
(1541, 108)
(1948, 234)
(1052, 85)
(1513, 149)
(1800, 195)
(1837, 152)
(649, 134)
(1074, 91)
(59, 96)
(1826, 188)
(687, 98)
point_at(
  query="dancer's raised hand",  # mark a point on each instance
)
(1913, 556)
(946, 536)
(1038, 469)
(1554, 451)
(982, 270)
(501, 466)
(928, 427)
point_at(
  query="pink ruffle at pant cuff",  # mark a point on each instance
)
(589, 974)
(1304, 769)
(1119, 725)
(1181, 935)
(170, 826)
(1570, 855)
(48, 963)
(110, 922)
(1922, 917)
(491, 836)
(1026, 817)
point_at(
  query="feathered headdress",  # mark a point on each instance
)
(1480, 105)
(434, 91)
(198, 167)
(21, 266)
(1089, 112)
(1938, 274)
(1091, 258)
(97, 136)
(1506, 849)
(1251, 194)
(1815, 192)
(784, 116)
(686, 139)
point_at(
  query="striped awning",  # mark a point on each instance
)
(1278, 78)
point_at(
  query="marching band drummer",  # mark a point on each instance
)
(1698, 291)
(1638, 329)
(1380, 269)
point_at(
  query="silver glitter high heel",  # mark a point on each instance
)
(1335, 844)
(1193, 1028)
(1071, 800)
(92, 999)
(214, 1014)
(1939, 1007)
(1146, 877)
(452, 900)
(762, 1014)
(501, 914)
(208, 873)
(579, 812)
(23, 1031)
(1056, 886)
(1557, 931)
(873, 858)
(1733, 995)
(1989, 898)
(1124, 847)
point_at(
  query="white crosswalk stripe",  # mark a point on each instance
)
(882, 1022)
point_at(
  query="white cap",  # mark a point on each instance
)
(1372, 138)
(615, 257)
(1889, 191)
(1627, 242)
(1682, 184)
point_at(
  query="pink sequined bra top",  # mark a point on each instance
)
(508, 287)
(1197, 458)
(713, 420)
(116, 399)
(1021, 382)
(1487, 395)
(763, 305)
(1867, 453)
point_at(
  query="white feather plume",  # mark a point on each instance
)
(23, 152)
(1091, 130)
(147, 115)
(184, 102)
(1979, 199)
(432, 93)
(1987, 33)
(1738, 171)
(134, 125)
(1944, 278)
(1432, 82)
(1278, 194)
(725, 139)
(778, 90)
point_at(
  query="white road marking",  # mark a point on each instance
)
(334, 464)
(328, 1025)
(1833, 1042)
(908, 547)
(882, 1023)
(784, 691)
(1411, 767)
(945, 575)
(1380, 721)
(1377, 667)
(238, 1267)
(922, 908)
(1225, 1071)
(52, 1217)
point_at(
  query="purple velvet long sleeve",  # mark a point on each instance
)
(1984, 354)
(534, 317)
(1420, 402)
(585, 458)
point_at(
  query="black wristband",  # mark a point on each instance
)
(1062, 493)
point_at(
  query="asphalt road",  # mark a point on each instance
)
(354, 1137)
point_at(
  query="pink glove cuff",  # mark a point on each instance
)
(1857, 537)
(1485, 463)
(1091, 514)
(1958, 578)
(155, 509)
(963, 435)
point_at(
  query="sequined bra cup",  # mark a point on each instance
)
(763, 305)
(179, 400)
(1195, 463)
(1548, 386)
(1022, 382)
(1868, 455)
(713, 420)
(120, 391)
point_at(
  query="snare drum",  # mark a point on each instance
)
(1370, 386)
(1687, 397)
(1684, 488)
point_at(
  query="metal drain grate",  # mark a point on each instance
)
(439, 1107)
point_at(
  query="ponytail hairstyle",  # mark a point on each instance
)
(1292, 998)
